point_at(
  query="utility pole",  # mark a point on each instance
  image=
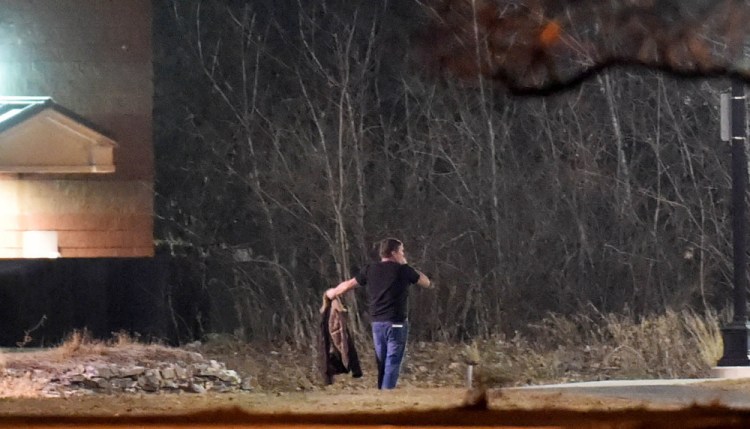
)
(735, 334)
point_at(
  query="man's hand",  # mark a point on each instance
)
(331, 293)
(424, 281)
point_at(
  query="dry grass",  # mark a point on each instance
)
(607, 346)
(706, 333)
(559, 349)
(27, 371)
(81, 343)
(25, 386)
(79, 347)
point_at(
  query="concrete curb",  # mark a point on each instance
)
(619, 383)
(730, 372)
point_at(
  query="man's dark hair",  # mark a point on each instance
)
(388, 246)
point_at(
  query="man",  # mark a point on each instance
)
(387, 284)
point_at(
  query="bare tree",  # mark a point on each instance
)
(312, 131)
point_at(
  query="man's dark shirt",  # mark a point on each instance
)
(387, 286)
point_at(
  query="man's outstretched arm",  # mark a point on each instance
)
(342, 287)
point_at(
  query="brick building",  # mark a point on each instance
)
(76, 159)
(77, 171)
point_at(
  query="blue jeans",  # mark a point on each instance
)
(390, 346)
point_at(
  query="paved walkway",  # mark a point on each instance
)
(683, 392)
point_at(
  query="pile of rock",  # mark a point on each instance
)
(161, 377)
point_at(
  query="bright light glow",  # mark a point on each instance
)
(9, 200)
(40, 244)
(22, 99)
(11, 105)
(9, 114)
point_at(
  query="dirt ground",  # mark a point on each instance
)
(281, 384)
(323, 401)
(406, 407)
(285, 384)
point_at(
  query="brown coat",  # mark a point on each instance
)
(336, 350)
